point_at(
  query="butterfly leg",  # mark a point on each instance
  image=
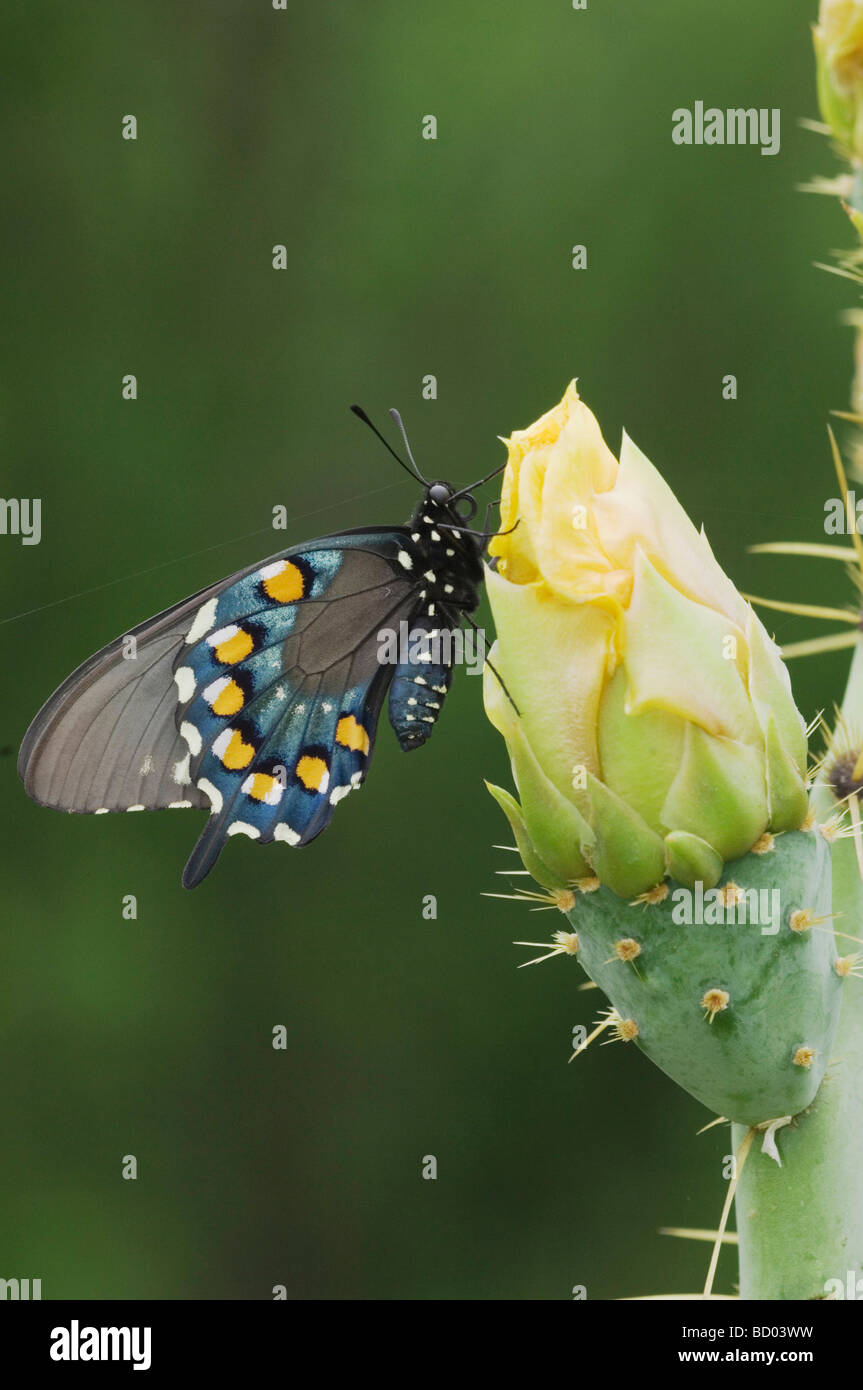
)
(495, 672)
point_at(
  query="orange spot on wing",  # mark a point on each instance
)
(287, 586)
(312, 772)
(351, 734)
(237, 753)
(235, 648)
(229, 700)
(262, 786)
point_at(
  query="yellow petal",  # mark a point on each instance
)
(675, 658)
(641, 512)
(568, 441)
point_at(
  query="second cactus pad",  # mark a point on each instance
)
(734, 991)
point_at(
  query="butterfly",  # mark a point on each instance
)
(259, 697)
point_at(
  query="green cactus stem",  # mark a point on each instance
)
(800, 1227)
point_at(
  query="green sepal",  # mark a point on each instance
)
(627, 856)
(638, 753)
(691, 860)
(770, 692)
(535, 866)
(786, 790)
(558, 831)
(718, 793)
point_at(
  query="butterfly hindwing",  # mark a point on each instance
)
(124, 734)
(107, 739)
(276, 767)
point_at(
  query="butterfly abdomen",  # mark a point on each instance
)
(420, 684)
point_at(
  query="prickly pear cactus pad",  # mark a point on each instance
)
(740, 1013)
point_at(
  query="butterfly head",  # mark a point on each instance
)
(440, 494)
(459, 507)
(441, 505)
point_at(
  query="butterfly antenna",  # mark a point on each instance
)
(403, 432)
(470, 487)
(361, 415)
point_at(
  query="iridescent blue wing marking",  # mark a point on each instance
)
(282, 725)
(228, 689)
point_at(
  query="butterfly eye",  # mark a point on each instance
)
(440, 493)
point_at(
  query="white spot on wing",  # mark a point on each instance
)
(192, 737)
(185, 680)
(240, 827)
(284, 832)
(179, 805)
(405, 560)
(220, 745)
(215, 688)
(223, 635)
(213, 795)
(181, 773)
(204, 619)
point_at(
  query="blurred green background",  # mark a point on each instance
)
(406, 257)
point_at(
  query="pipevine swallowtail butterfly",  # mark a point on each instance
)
(259, 696)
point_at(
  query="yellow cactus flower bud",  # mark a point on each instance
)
(651, 728)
